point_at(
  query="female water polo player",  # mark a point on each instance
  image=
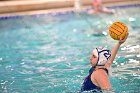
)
(101, 60)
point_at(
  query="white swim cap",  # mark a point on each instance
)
(102, 54)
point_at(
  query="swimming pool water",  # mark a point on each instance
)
(50, 53)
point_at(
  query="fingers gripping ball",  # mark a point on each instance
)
(118, 30)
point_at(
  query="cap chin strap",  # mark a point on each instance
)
(103, 56)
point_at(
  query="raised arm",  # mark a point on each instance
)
(115, 50)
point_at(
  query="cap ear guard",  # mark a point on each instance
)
(103, 56)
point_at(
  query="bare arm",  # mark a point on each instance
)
(101, 79)
(115, 50)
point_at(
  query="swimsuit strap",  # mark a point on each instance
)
(93, 69)
(106, 70)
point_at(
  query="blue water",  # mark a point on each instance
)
(50, 53)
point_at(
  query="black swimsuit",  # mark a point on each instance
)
(88, 85)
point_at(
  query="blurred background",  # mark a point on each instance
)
(45, 45)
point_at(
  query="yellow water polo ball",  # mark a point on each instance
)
(118, 30)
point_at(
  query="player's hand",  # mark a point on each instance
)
(122, 40)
